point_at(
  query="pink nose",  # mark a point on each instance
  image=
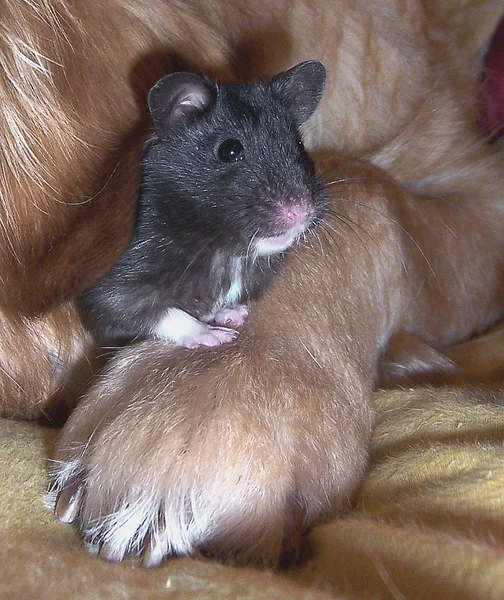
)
(294, 213)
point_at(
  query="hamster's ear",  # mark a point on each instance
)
(177, 98)
(301, 88)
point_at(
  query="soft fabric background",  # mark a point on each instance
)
(428, 524)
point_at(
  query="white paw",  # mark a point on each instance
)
(201, 470)
(186, 331)
(209, 336)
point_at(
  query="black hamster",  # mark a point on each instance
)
(226, 188)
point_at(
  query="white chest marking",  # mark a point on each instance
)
(235, 289)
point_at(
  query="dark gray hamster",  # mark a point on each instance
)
(226, 188)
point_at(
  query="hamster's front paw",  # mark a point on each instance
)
(208, 336)
(171, 455)
(231, 316)
(188, 332)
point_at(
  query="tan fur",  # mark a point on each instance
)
(72, 103)
(235, 452)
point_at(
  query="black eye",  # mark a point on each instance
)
(230, 151)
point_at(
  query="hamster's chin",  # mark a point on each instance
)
(275, 244)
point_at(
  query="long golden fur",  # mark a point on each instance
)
(235, 452)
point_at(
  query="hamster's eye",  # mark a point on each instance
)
(230, 151)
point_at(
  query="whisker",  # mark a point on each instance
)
(197, 255)
(357, 179)
(249, 248)
(350, 223)
(399, 226)
(332, 234)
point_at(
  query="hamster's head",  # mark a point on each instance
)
(226, 165)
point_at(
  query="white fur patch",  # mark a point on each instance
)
(177, 325)
(273, 245)
(280, 243)
(235, 289)
(62, 473)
